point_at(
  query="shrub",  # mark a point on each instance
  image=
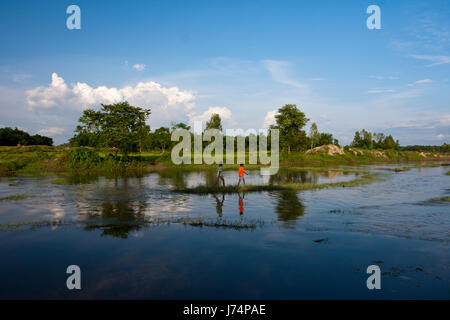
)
(84, 158)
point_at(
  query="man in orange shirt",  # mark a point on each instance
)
(241, 174)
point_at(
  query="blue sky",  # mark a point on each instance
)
(242, 59)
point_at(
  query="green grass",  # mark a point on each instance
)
(16, 197)
(43, 160)
(60, 181)
(365, 179)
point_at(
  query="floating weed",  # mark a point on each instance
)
(396, 169)
(437, 200)
(16, 197)
(60, 181)
(30, 224)
(199, 222)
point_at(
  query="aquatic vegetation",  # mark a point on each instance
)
(219, 223)
(228, 189)
(16, 197)
(31, 224)
(60, 181)
(365, 179)
(441, 199)
(448, 173)
(397, 169)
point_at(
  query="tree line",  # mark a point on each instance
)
(124, 128)
(14, 137)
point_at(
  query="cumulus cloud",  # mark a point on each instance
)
(269, 119)
(166, 104)
(224, 113)
(51, 131)
(139, 67)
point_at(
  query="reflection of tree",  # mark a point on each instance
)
(117, 207)
(175, 177)
(289, 208)
(126, 217)
(291, 176)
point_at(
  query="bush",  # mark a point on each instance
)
(84, 158)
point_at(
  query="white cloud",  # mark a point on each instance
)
(423, 81)
(419, 82)
(269, 119)
(139, 67)
(51, 131)
(375, 91)
(384, 77)
(437, 60)
(224, 113)
(279, 72)
(50, 96)
(166, 104)
(440, 136)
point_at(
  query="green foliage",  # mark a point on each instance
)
(84, 158)
(290, 121)
(366, 140)
(214, 122)
(119, 125)
(13, 137)
(445, 148)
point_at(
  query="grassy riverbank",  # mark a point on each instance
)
(44, 160)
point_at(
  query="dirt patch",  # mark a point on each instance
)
(329, 149)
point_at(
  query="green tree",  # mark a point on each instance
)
(119, 125)
(214, 122)
(161, 138)
(314, 135)
(290, 121)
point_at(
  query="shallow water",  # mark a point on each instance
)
(306, 244)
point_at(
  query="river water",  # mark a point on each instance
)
(127, 236)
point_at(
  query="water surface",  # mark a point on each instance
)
(306, 244)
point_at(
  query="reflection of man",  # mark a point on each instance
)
(220, 175)
(241, 203)
(219, 204)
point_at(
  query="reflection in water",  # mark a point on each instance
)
(219, 204)
(241, 203)
(119, 205)
(289, 207)
(288, 176)
(125, 217)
